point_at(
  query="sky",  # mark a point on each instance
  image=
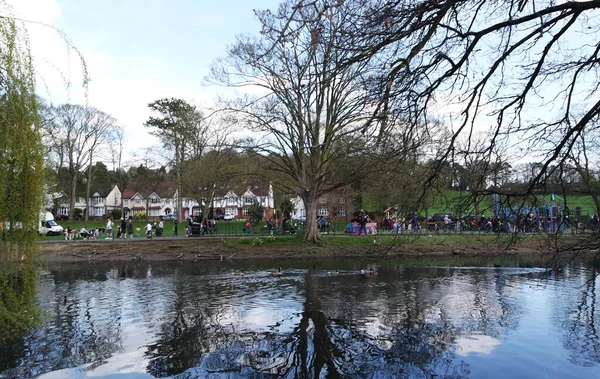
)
(136, 51)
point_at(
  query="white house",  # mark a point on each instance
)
(103, 201)
(226, 202)
(155, 200)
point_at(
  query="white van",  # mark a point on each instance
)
(48, 226)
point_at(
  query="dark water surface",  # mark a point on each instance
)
(200, 320)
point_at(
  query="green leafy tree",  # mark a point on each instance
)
(176, 124)
(21, 181)
(256, 213)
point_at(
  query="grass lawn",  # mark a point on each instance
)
(450, 202)
(224, 228)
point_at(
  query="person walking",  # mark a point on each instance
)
(123, 228)
(130, 228)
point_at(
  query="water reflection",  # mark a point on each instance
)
(204, 321)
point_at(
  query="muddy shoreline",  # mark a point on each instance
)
(186, 249)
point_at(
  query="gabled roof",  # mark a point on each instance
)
(103, 191)
(162, 189)
(165, 189)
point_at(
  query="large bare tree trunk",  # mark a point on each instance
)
(311, 233)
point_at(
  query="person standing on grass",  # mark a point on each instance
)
(160, 229)
(130, 228)
(362, 219)
(149, 230)
(123, 228)
(175, 229)
(109, 226)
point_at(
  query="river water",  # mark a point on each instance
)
(188, 320)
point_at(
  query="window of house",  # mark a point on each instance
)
(342, 200)
(126, 202)
(154, 212)
(341, 212)
(137, 201)
(322, 200)
(231, 200)
(248, 200)
(245, 211)
(154, 200)
(322, 212)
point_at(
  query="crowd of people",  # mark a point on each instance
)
(520, 223)
(124, 230)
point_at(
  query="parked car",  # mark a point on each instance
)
(169, 217)
(228, 217)
(62, 217)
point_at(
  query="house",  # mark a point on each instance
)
(153, 200)
(105, 200)
(226, 203)
(101, 203)
(62, 205)
(337, 204)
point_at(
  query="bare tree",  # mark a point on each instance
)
(582, 158)
(78, 134)
(210, 161)
(313, 119)
(517, 68)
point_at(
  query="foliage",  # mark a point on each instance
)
(21, 181)
(177, 127)
(256, 213)
(140, 215)
(116, 214)
(77, 214)
(286, 207)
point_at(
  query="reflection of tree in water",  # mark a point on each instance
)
(76, 334)
(386, 328)
(199, 341)
(581, 336)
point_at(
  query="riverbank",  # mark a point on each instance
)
(197, 249)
